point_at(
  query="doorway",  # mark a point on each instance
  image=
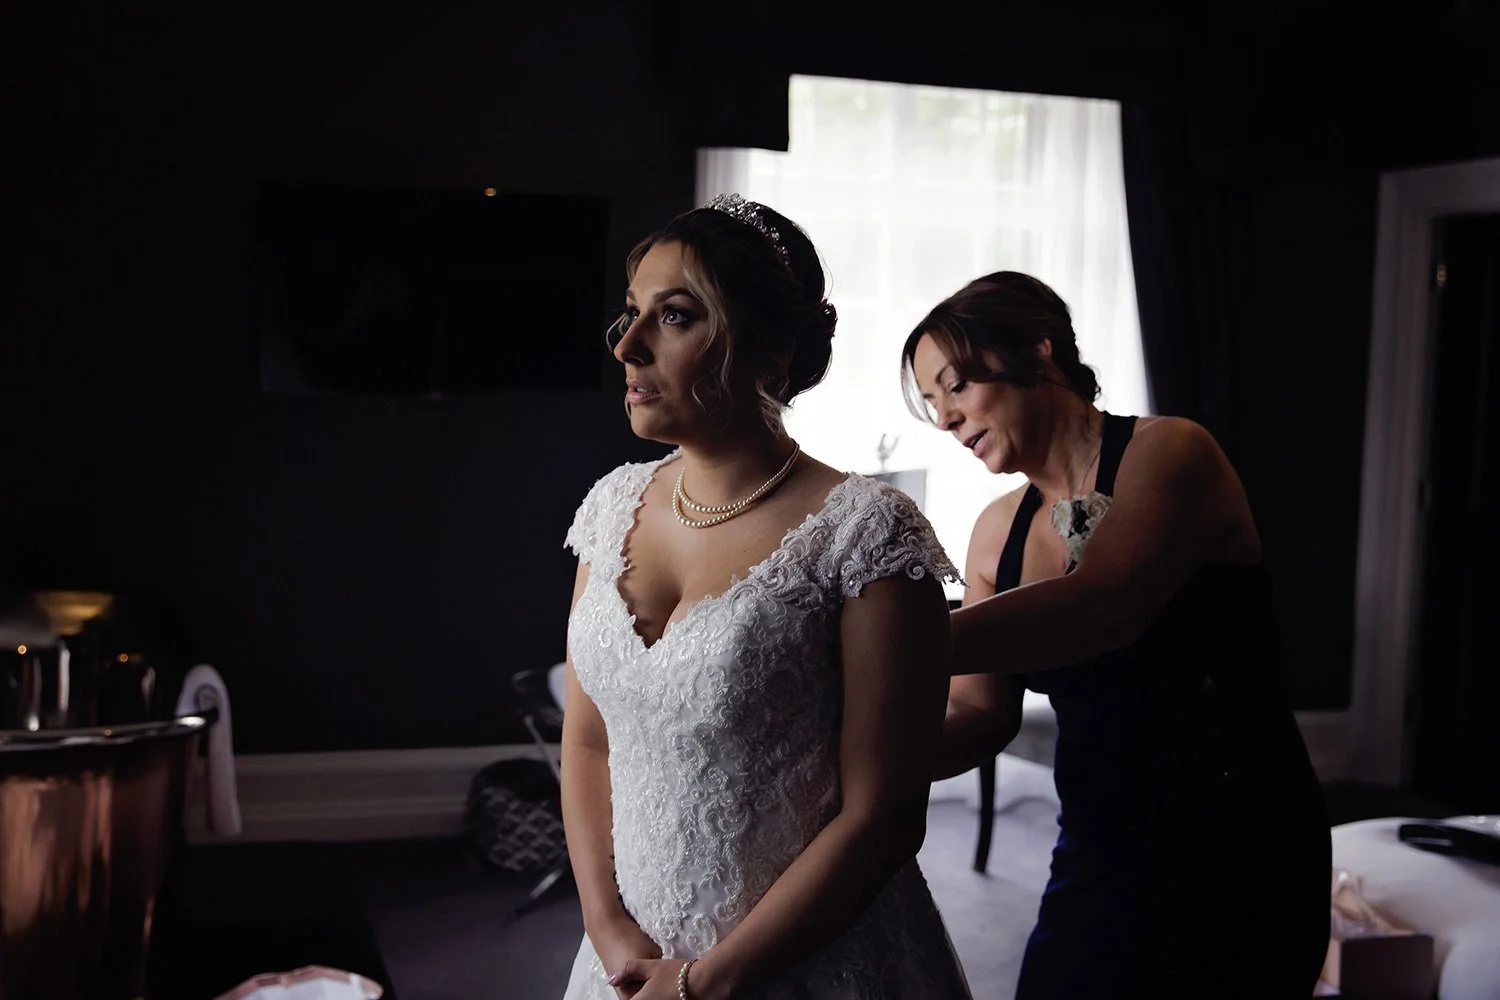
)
(1456, 688)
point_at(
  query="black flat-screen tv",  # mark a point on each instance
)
(428, 291)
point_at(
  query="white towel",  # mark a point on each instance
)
(203, 689)
(314, 982)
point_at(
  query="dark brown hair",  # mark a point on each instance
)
(772, 309)
(1007, 314)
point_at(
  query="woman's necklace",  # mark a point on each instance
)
(723, 512)
(1075, 517)
(1089, 468)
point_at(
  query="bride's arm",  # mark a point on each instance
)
(895, 651)
(587, 818)
(984, 710)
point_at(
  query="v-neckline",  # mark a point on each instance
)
(735, 581)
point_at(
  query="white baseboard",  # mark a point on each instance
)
(353, 795)
(388, 794)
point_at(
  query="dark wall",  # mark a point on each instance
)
(367, 572)
(1329, 109)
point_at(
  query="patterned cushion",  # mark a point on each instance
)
(513, 816)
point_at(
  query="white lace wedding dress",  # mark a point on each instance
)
(723, 741)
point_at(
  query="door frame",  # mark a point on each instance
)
(1398, 414)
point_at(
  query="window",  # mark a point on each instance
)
(909, 193)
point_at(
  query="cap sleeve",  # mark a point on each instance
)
(599, 513)
(886, 534)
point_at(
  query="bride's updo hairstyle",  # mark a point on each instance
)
(762, 284)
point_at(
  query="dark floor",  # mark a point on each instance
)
(415, 915)
(469, 947)
(230, 912)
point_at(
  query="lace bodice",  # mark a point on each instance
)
(723, 735)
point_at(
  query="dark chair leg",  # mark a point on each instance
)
(540, 889)
(986, 814)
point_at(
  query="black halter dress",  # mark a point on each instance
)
(1193, 857)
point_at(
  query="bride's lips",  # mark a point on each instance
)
(637, 393)
(979, 444)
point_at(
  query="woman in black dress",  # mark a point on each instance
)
(1125, 582)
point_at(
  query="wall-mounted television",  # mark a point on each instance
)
(428, 291)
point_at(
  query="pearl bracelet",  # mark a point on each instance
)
(682, 974)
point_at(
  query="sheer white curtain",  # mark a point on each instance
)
(909, 193)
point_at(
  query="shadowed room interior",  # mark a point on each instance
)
(368, 570)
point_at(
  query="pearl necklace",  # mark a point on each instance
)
(723, 512)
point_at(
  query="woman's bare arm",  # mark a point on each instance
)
(1176, 499)
(984, 710)
(895, 644)
(588, 818)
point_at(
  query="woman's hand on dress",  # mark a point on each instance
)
(647, 978)
(656, 979)
(621, 944)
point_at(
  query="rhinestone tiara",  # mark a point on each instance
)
(749, 212)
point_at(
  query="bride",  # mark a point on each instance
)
(757, 670)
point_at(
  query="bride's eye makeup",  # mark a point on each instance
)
(674, 315)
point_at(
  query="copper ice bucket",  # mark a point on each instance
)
(91, 810)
